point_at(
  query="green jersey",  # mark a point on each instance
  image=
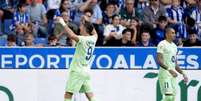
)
(83, 53)
(169, 52)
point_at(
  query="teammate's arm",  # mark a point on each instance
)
(70, 33)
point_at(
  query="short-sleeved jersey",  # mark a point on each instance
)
(169, 53)
(83, 53)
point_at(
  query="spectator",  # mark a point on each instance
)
(159, 32)
(7, 8)
(128, 12)
(21, 19)
(113, 31)
(175, 13)
(118, 3)
(65, 7)
(53, 41)
(38, 19)
(135, 26)
(108, 13)
(53, 4)
(141, 4)
(97, 12)
(126, 38)
(59, 32)
(152, 13)
(11, 40)
(192, 10)
(28, 40)
(145, 40)
(193, 39)
(189, 25)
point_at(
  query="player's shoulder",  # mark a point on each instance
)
(174, 45)
(162, 43)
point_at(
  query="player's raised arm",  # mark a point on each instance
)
(70, 33)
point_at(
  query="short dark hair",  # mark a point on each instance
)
(88, 27)
(162, 18)
(89, 10)
(115, 15)
(52, 37)
(190, 21)
(21, 5)
(192, 31)
(11, 38)
(128, 30)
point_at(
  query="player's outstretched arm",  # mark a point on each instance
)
(70, 33)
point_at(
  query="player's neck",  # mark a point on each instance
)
(84, 34)
(169, 40)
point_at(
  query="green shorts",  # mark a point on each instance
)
(78, 82)
(168, 85)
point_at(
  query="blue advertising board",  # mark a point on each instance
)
(103, 58)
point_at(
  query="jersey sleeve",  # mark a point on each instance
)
(160, 48)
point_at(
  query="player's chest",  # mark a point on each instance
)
(171, 50)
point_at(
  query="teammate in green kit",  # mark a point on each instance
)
(79, 78)
(166, 56)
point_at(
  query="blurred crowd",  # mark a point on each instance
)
(122, 23)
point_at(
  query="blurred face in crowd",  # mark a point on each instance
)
(53, 42)
(127, 36)
(129, 5)
(23, 9)
(110, 9)
(29, 40)
(163, 24)
(171, 34)
(134, 22)
(175, 3)
(66, 5)
(65, 16)
(154, 2)
(192, 38)
(145, 36)
(33, 2)
(11, 43)
(116, 20)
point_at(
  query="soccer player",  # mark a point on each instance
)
(79, 78)
(166, 56)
